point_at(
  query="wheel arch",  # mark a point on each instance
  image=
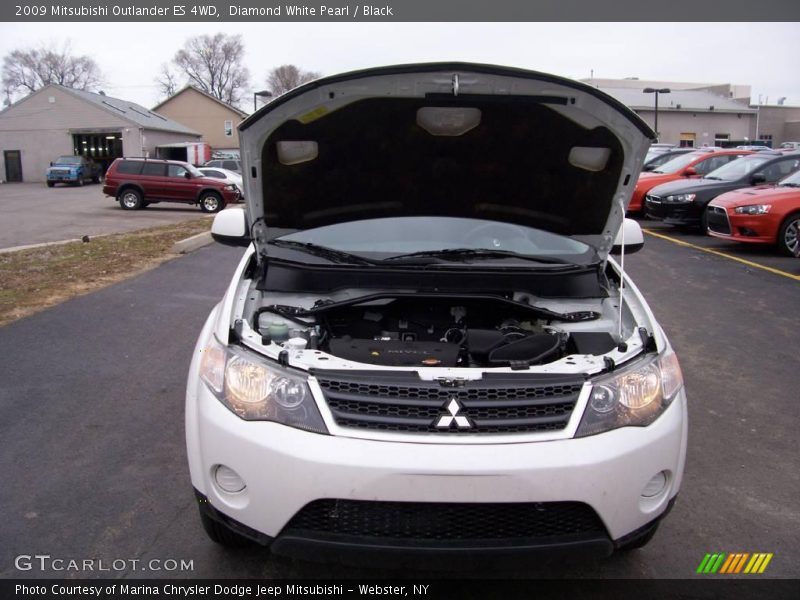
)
(130, 185)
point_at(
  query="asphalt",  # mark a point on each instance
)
(67, 212)
(93, 458)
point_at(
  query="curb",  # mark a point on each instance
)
(45, 244)
(191, 244)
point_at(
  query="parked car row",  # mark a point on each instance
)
(740, 195)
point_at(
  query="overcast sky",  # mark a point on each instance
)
(763, 55)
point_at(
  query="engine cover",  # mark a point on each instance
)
(396, 353)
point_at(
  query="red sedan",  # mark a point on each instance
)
(761, 215)
(694, 164)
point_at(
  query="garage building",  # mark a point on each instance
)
(57, 120)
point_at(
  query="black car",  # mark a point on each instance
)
(684, 202)
(653, 160)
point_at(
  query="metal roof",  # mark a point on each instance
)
(683, 100)
(139, 115)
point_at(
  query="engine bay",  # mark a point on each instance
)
(407, 330)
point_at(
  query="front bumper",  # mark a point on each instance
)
(63, 177)
(673, 213)
(287, 469)
(753, 229)
(231, 196)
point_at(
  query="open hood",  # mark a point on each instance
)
(444, 139)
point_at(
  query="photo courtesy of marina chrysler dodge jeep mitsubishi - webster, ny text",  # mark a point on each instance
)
(427, 349)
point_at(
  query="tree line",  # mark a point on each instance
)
(211, 63)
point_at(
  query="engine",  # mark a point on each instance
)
(442, 332)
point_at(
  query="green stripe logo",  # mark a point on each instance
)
(734, 563)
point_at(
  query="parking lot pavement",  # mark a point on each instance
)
(31, 213)
(764, 255)
(91, 423)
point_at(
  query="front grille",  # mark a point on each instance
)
(718, 220)
(434, 521)
(491, 405)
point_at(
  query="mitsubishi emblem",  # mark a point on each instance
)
(445, 421)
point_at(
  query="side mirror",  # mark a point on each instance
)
(230, 228)
(758, 178)
(51, 163)
(689, 172)
(634, 238)
(188, 175)
(648, 167)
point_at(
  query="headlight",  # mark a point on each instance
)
(680, 198)
(230, 187)
(635, 396)
(752, 209)
(255, 390)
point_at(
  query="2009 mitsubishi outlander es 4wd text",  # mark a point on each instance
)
(426, 349)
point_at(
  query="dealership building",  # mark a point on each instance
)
(57, 120)
(705, 114)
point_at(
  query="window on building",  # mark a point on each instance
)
(766, 138)
(721, 139)
(229, 128)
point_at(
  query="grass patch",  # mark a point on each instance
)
(32, 280)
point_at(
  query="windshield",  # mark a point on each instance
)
(379, 239)
(792, 180)
(738, 168)
(678, 163)
(68, 160)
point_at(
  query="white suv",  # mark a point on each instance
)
(426, 348)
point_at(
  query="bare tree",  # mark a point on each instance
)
(214, 65)
(29, 70)
(167, 81)
(286, 77)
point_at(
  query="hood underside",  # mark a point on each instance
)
(454, 140)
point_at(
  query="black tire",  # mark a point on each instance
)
(130, 199)
(704, 221)
(51, 183)
(211, 202)
(220, 534)
(789, 234)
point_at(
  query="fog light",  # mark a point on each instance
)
(228, 479)
(656, 485)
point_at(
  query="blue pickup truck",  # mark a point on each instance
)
(73, 169)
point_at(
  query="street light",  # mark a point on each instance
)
(263, 94)
(656, 92)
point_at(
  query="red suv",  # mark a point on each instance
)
(137, 182)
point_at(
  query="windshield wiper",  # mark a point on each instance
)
(467, 253)
(714, 178)
(336, 256)
(789, 184)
